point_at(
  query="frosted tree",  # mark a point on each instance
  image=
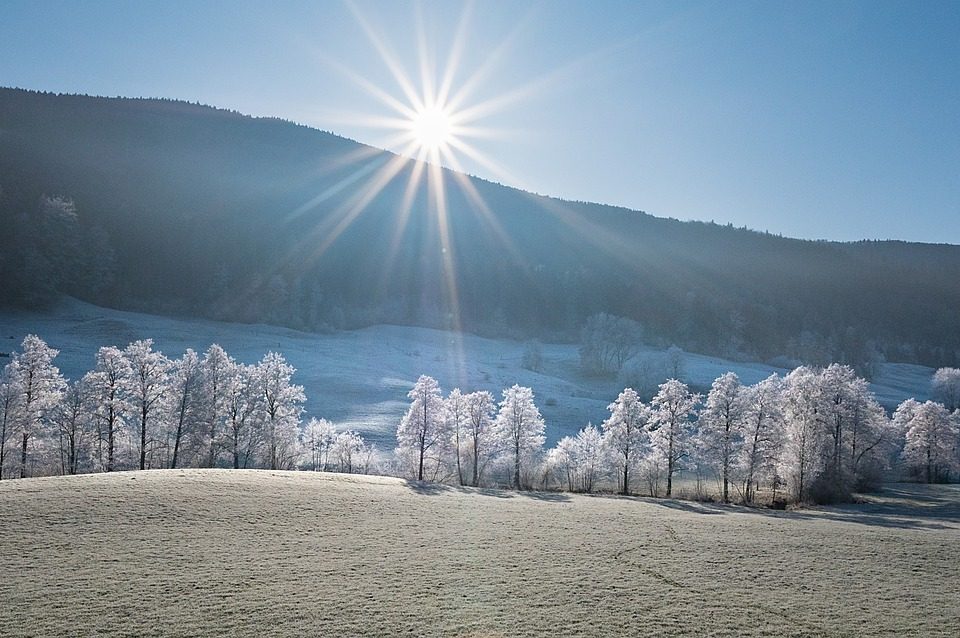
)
(625, 433)
(458, 422)
(71, 417)
(319, 436)
(281, 406)
(903, 416)
(577, 461)
(39, 385)
(608, 342)
(721, 424)
(946, 387)
(801, 461)
(762, 434)
(109, 384)
(241, 403)
(184, 405)
(9, 402)
(424, 426)
(519, 427)
(870, 437)
(149, 376)
(589, 456)
(217, 366)
(672, 407)
(856, 433)
(837, 385)
(481, 440)
(931, 439)
(349, 452)
(559, 462)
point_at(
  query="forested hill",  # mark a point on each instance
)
(175, 208)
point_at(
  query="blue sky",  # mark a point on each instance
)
(836, 120)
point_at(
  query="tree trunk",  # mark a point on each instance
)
(420, 469)
(23, 456)
(212, 453)
(459, 468)
(179, 434)
(143, 436)
(273, 442)
(670, 468)
(236, 450)
(111, 424)
(626, 475)
(73, 453)
(476, 464)
(3, 442)
(110, 446)
(516, 464)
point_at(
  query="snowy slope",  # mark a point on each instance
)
(359, 379)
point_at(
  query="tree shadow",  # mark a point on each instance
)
(428, 488)
(869, 519)
(895, 507)
(696, 507)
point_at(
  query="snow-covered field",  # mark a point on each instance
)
(259, 553)
(359, 379)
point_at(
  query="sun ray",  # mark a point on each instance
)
(403, 216)
(388, 57)
(456, 52)
(425, 59)
(495, 170)
(432, 127)
(435, 177)
(349, 180)
(468, 188)
(366, 85)
(491, 62)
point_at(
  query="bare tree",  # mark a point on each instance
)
(625, 432)
(608, 342)
(424, 424)
(149, 378)
(520, 427)
(109, 385)
(672, 407)
(39, 385)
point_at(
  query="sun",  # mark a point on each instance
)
(432, 128)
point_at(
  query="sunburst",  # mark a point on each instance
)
(431, 123)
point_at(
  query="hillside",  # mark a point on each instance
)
(252, 553)
(184, 209)
(359, 378)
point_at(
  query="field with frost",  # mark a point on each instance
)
(359, 379)
(255, 553)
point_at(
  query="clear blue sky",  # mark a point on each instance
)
(837, 120)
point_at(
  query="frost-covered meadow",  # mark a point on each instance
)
(254, 553)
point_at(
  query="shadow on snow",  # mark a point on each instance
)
(432, 489)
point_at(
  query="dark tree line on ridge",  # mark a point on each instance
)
(169, 207)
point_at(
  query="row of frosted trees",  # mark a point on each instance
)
(815, 434)
(138, 409)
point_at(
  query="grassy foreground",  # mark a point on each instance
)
(258, 553)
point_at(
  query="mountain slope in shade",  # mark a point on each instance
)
(188, 210)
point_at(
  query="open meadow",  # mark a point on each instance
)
(258, 553)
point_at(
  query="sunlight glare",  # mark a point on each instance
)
(432, 128)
